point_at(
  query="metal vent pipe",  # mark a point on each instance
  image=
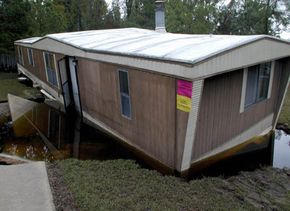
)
(160, 16)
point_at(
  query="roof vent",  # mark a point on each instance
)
(160, 16)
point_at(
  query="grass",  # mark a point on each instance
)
(8, 76)
(123, 185)
(285, 112)
(10, 84)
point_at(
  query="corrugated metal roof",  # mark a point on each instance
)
(151, 44)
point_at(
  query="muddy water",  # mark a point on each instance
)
(44, 133)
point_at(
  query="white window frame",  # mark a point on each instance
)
(55, 68)
(20, 56)
(31, 62)
(123, 94)
(244, 85)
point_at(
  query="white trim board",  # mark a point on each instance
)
(244, 88)
(197, 88)
(273, 64)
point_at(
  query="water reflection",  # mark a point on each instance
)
(281, 155)
(44, 133)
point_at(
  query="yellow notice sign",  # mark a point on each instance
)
(183, 103)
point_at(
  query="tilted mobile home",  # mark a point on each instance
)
(177, 98)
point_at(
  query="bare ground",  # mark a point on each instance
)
(62, 197)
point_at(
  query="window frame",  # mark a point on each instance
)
(55, 68)
(124, 94)
(20, 55)
(243, 107)
(30, 60)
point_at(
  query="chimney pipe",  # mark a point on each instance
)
(160, 16)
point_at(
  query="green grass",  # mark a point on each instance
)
(285, 112)
(10, 84)
(7, 76)
(123, 185)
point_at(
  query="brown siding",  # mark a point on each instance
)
(285, 65)
(219, 117)
(181, 126)
(38, 69)
(152, 127)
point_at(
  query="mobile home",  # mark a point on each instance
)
(176, 98)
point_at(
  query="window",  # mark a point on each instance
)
(124, 93)
(20, 55)
(257, 86)
(50, 68)
(30, 56)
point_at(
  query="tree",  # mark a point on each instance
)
(252, 17)
(113, 19)
(45, 17)
(92, 13)
(191, 16)
(13, 23)
(140, 13)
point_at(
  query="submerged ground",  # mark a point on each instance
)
(10, 84)
(124, 185)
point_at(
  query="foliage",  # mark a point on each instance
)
(140, 13)
(45, 17)
(191, 16)
(13, 23)
(252, 17)
(123, 185)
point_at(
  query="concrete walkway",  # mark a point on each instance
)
(25, 187)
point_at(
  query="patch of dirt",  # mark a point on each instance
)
(62, 197)
(266, 188)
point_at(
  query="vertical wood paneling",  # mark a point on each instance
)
(38, 69)
(220, 119)
(152, 127)
(282, 81)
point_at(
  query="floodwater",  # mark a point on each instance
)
(281, 152)
(46, 134)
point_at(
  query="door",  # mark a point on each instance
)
(75, 87)
(65, 82)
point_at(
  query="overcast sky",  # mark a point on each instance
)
(284, 35)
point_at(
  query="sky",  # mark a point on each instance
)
(284, 35)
